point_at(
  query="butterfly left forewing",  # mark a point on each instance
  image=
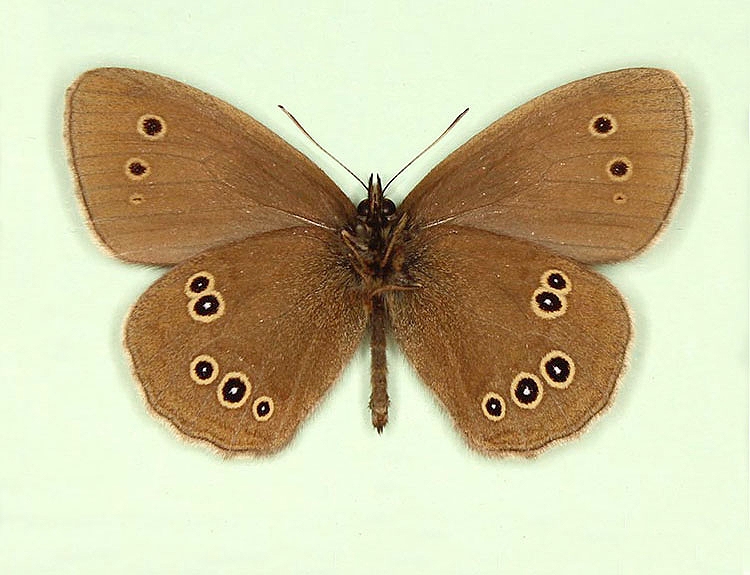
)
(525, 317)
(238, 344)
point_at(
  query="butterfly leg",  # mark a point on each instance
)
(378, 369)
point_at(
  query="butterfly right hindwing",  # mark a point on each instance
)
(237, 345)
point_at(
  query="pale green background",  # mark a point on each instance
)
(90, 483)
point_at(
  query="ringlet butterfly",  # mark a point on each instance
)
(481, 274)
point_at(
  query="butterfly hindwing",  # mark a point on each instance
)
(238, 344)
(166, 171)
(521, 346)
(590, 170)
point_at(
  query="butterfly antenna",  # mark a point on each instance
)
(420, 154)
(329, 154)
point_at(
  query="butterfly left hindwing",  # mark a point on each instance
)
(238, 344)
(522, 348)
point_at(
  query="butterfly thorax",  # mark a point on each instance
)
(375, 241)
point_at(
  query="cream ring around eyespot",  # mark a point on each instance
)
(206, 307)
(620, 169)
(602, 125)
(239, 382)
(535, 390)
(565, 364)
(557, 281)
(548, 304)
(258, 406)
(151, 126)
(194, 287)
(493, 406)
(137, 169)
(204, 369)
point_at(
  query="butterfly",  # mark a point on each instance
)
(482, 275)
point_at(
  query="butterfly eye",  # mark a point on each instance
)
(557, 369)
(620, 169)
(152, 127)
(389, 208)
(493, 406)
(137, 169)
(204, 369)
(207, 307)
(234, 390)
(557, 280)
(526, 390)
(363, 208)
(263, 408)
(602, 125)
(548, 304)
(199, 283)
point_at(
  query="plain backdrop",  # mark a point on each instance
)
(91, 483)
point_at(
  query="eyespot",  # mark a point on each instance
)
(137, 169)
(602, 125)
(207, 307)
(363, 208)
(493, 406)
(199, 283)
(548, 304)
(557, 280)
(619, 198)
(204, 369)
(263, 408)
(620, 169)
(389, 208)
(557, 369)
(526, 391)
(152, 127)
(234, 390)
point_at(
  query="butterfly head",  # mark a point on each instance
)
(376, 211)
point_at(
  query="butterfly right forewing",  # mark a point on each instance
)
(166, 171)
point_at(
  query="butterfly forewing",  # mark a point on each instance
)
(589, 170)
(238, 344)
(166, 171)
(521, 346)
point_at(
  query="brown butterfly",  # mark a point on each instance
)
(482, 274)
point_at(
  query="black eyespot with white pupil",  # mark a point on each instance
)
(602, 124)
(548, 301)
(204, 370)
(558, 369)
(618, 168)
(555, 280)
(152, 126)
(493, 406)
(526, 390)
(199, 284)
(234, 390)
(137, 168)
(207, 305)
(263, 408)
